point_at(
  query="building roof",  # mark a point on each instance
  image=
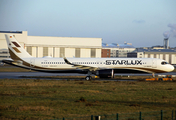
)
(115, 45)
(10, 31)
(155, 50)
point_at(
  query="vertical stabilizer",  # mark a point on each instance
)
(17, 52)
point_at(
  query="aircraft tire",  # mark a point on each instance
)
(88, 78)
(160, 79)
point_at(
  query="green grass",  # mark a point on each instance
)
(50, 99)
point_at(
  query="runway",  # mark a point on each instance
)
(17, 75)
(20, 75)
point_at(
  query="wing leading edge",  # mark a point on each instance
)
(82, 67)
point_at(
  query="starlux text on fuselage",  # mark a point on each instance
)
(124, 62)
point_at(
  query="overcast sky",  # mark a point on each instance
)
(140, 22)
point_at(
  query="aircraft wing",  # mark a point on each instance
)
(11, 61)
(8, 60)
(83, 67)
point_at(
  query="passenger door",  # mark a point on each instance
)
(32, 63)
(154, 63)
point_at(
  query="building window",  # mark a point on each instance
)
(77, 52)
(93, 52)
(36, 51)
(45, 51)
(164, 57)
(62, 52)
(154, 55)
(170, 58)
(29, 50)
(53, 51)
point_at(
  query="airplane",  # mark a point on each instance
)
(102, 67)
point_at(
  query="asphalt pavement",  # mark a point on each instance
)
(17, 75)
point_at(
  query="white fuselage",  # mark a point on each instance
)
(150, 65)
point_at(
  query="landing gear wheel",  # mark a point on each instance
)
(88, 78)
(160, 79)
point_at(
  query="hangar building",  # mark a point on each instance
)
(39, 46)
(166, 54)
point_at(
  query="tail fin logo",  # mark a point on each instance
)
(16, 49)
(16, 44)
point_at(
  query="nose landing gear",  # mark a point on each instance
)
(88, 78)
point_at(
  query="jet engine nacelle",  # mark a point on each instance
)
(108, 73)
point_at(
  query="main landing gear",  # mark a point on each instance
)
(153, 75)
(88, 78)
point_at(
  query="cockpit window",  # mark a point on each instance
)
(163, 63)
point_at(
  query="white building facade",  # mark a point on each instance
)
(168, 55)
(39, 46)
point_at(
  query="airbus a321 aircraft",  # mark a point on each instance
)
(102, 67)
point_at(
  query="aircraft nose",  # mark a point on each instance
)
(172, 68)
